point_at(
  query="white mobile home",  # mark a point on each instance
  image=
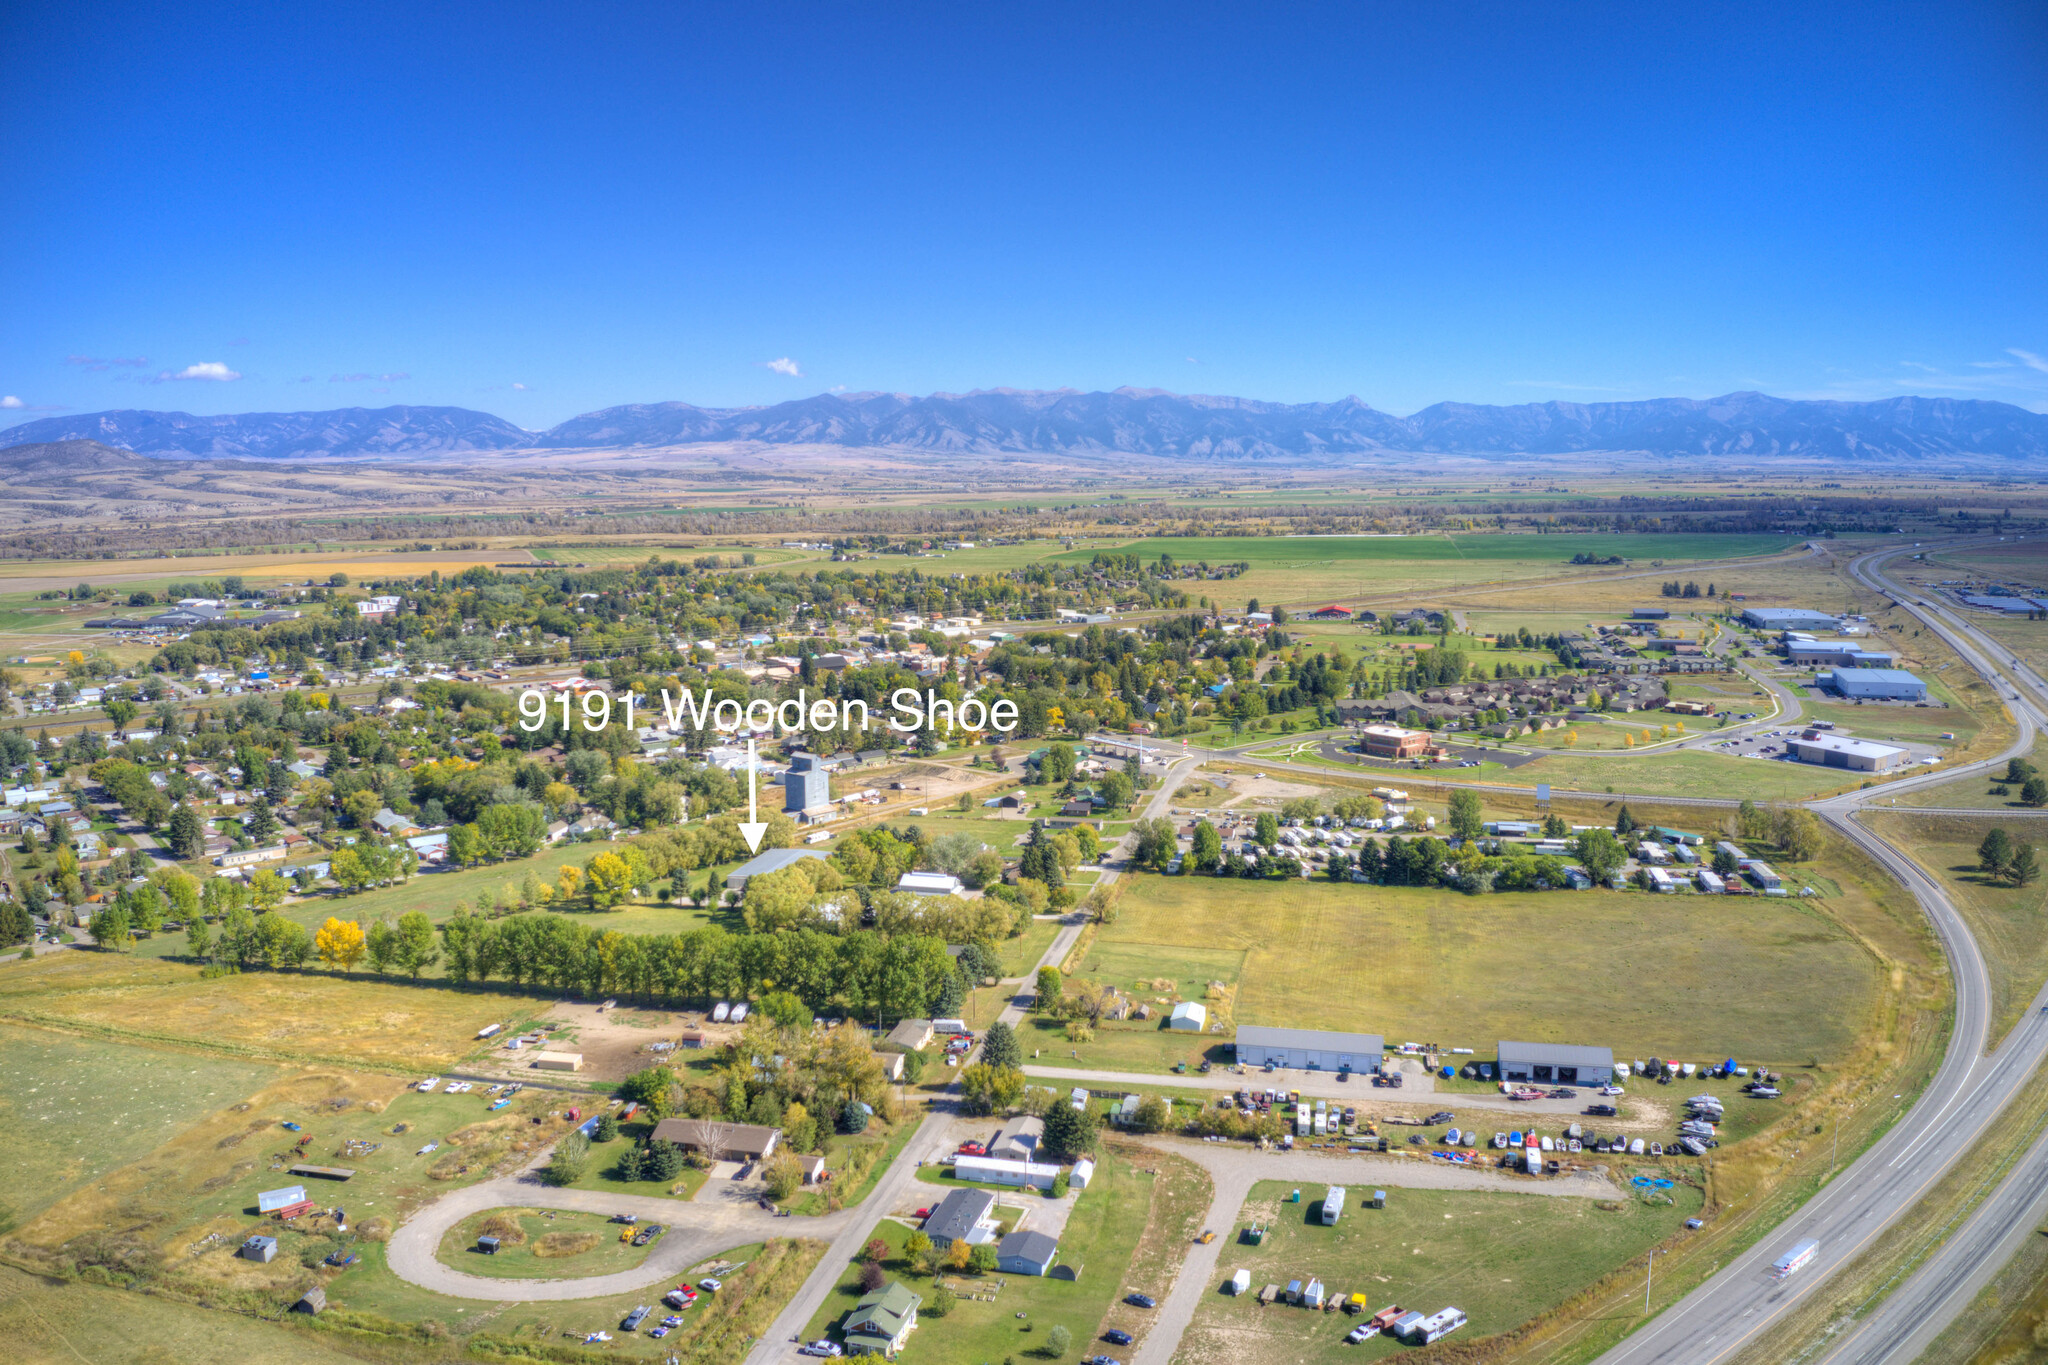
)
(1333, 1206)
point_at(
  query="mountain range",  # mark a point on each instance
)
(1123, 421)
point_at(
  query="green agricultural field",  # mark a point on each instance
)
(540, 1244)
(1298, 569)
(1502, 1258)
(1101, 1238)
(1769, 979)
(2004, 919)
(1686, 772)
(75, 1111)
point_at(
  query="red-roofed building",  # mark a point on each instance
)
(1333, 612)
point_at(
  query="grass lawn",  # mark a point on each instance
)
(2005, 920)
(599, 1174)
(76, 1113)
(1770, 979)
(1101, 1238)
(1503, 1258)
(1975, 791)
(856, 1163)
(311, 1017)
(1685, 773)
(581, 1243)
(1020, 954)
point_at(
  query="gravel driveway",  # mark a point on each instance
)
(1236, 1168)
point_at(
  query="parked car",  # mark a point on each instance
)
(822, 1347)
(1117, 1337)
(710, 1285)
(1141, 1301)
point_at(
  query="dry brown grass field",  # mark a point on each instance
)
(264, 1016)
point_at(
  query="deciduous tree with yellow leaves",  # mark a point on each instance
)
(340, 943)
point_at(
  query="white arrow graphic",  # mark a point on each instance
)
(753, 829)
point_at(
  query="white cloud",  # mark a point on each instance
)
(10, 401)
(205, 369)
(784, 365)
(391, 378)
(2029, 359)
(520, 387)
(347, 378)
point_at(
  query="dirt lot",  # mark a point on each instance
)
(614, 1043)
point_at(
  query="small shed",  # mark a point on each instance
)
(1083, 1172)
(1312, 1296)
(1294, 1291)
(1379, 1199)
(558, 1061)
(1190, 1016)
(259, 1249)
(312, 1302)
(487, 1245)
(1240, 1282)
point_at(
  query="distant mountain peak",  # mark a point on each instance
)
(1129, 420)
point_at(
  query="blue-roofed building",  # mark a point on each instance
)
(1876, 684)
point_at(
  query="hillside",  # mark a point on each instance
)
(275, 435)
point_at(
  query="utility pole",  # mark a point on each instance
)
(1650, 1275)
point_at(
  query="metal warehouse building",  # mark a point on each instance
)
(1840, 751)
(1309, 1049)
(1788, 618)
(1877, 684)
(1563, 1063)
(1840, 653)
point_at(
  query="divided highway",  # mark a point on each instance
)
(1737, 1305)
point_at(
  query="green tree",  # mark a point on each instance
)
(120, 711)
(261, 821)
(1207, 851)
(186, 834)
(1049, 988)
(2034, 792)
(1058, 1340)
(2024, 867)
(1798, 833)
(1625, 823)
(999, 1047)
(607, 1129)
(1156, 843)
(418, 949)
(1600, 853)
(1069, 1132)
(1266, 829)
(1554, 826)
(986, 1089)
(566, 1166)
(109, 928)
(1726, 863)
(1995, 852)
(1464, 815)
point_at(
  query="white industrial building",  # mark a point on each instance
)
(1840, 751)
(1188, 1016)
(1309, 1049)
(1563, 1063)
(1788, 618)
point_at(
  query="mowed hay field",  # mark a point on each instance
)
(74, 1110)
(1503, 1258)
(2005, 920)
(1771, 980)
(54, 1322)
(282, 1016)
(1297, 568)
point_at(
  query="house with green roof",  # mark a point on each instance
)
(881, 1322)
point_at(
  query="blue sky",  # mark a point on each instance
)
(485, 205)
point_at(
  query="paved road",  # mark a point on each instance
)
(780, 1341)
(1863, 1202)
(1234, 1169)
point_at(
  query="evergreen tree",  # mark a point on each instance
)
(187, 832)
(1069, 1132)
(1995, 852)
(1000, 1047)
(1624, 823)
